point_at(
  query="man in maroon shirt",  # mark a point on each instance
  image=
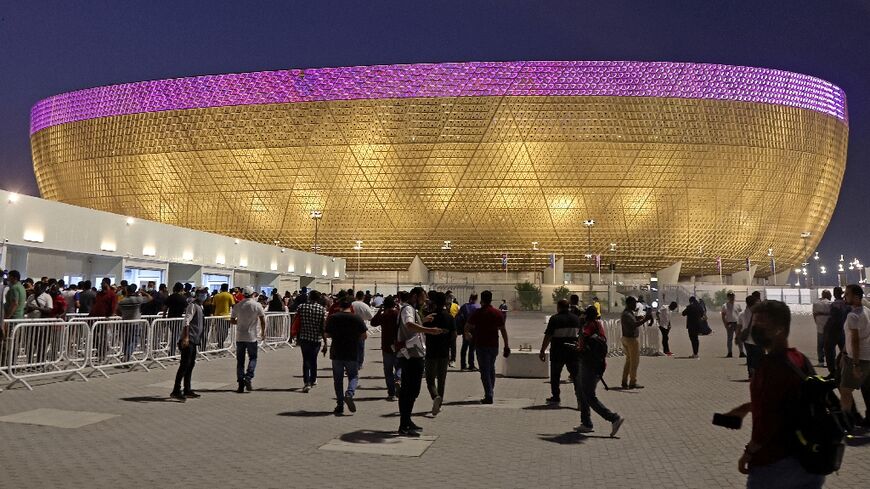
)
(484, 326)
(775, 387)
(104, 305)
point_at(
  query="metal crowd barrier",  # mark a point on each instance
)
(119, 344)
(277, 330)
(218, 337)
(164, 334)
(41, 349)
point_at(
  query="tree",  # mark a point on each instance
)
(561, 293)
(530, 296)
(720, 298)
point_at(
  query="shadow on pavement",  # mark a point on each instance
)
(569, 438)
(572, 438)
(421, 414)
(306, 414)
(546, 407)
(369, 437)
(150, 399)
(462, 403)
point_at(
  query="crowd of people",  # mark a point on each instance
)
(420, 330)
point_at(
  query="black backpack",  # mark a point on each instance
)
(819, 423)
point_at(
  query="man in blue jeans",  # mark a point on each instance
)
(483, 327)
(246, 315)
(346, 330)
(312, 318)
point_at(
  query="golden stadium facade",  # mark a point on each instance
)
(673, 161)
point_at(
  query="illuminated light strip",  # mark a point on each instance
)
(475, 79)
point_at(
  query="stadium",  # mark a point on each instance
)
(674, 162)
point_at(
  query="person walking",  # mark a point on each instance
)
(484, 327)
(412, 352)
(834, 332)
(453, 308)
(503, 308)
(631, 325)
(730, 313)
(821, 315)
(466, 353)
(665, 312)
(561, 335)
(247, 315)
(387, 318)
(191, 335)
(365, 312)
(768, 459)
(312, 321)
(855, 362)
(694, 316)
(346, 330)
(591, 344)
(438, 350)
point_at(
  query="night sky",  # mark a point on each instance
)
(51, 47)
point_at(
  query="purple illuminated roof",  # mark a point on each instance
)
(521, 78)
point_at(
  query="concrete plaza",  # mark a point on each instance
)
(125, 432)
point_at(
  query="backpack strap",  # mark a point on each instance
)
(801, 372)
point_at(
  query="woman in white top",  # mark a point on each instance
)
(753, 352)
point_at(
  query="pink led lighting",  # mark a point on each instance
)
(478, 79)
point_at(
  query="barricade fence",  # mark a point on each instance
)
(218, 337)
(119, 343)
(40, 349)
(277, 330)
(163, 338)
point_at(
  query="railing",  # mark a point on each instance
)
(218, 337)
(277, 330)
(40, 349)
(119, 344)
(163, 338)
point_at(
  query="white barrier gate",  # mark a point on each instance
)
(119, 343)
(44, 349)
(277, 330)
(163, 340)
(218, 337)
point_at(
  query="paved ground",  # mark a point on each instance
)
(272, 437)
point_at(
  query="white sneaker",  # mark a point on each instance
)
(306, 388)
(436, 405)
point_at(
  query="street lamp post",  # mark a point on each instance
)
(589, 223)
(316, 216)
(358, 249)
(805, 236)
(772, 264)
(446, 248)
(613, 261)
(816, 260)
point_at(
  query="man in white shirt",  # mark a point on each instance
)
(665, 324)
(730, 315)
(821, 315)
(246, 315)
(855, 364)
(366, 313)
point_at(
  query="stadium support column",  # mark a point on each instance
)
(418, 273)
(555, 275)
(670, 275)
(744, 277)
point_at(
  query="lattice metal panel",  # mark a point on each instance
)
(663, 177)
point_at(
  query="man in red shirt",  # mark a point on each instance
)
(774, 388)
(484, 326)
(104, 305)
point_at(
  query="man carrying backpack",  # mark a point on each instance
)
(561, 333)
(773, 457)
(592, 347)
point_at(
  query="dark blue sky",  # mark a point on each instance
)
(52, 47)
